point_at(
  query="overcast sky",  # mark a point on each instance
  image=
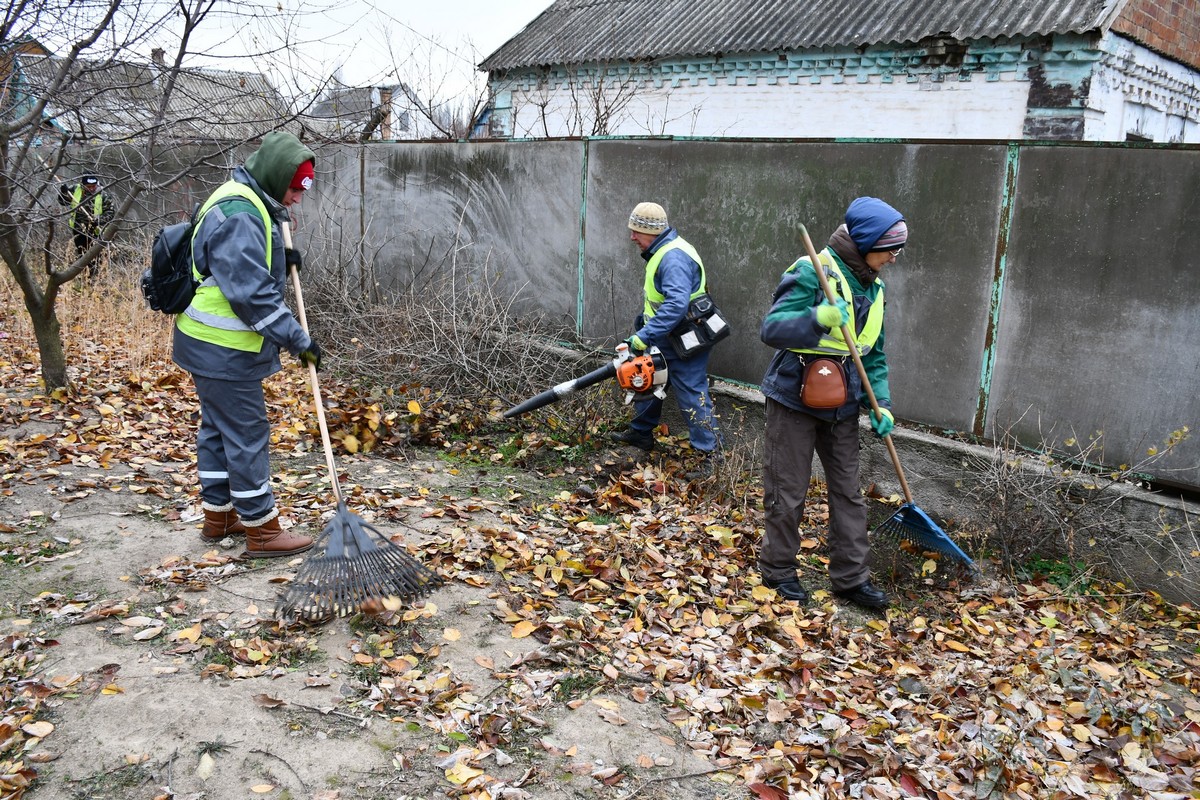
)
(374, 41)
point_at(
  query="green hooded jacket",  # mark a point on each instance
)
(276, 160)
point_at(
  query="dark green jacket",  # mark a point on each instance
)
(792, 323)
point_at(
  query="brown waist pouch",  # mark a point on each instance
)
(823, 384)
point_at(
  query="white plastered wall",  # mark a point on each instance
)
(928, 109)
(1136, 91)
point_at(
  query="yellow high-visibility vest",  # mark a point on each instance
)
(210, 318)
(77, 198)
(832, 343)
(655, 298)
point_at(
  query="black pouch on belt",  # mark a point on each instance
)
(700, 329)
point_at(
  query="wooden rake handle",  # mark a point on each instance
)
(286, 228)
(848, 336)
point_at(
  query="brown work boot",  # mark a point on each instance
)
(219, 522)
(267, 540)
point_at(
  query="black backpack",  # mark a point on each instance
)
(168, 284)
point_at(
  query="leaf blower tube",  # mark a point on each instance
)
(635, 374)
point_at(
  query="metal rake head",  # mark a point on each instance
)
(358, 569)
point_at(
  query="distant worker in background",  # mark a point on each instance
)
(229, 339)
(674, 277)
(90, 212)
(814, 394)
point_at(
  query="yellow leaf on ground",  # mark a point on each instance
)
(460, 773)
(451, 634)
(523, 629)
(40, 729)
(191, 634)
(262, 788)
(414, 407)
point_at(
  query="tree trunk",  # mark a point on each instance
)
(48, 331)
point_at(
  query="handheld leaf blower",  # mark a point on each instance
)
(637, 375)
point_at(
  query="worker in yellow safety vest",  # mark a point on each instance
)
(90, 211)
(230, 336)
(674, 276)
(814, 395)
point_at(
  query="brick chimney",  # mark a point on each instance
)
(158, 56)
(385, 101)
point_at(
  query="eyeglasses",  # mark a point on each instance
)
(896, 252)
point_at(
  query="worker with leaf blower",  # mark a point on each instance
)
(814, 393)
(674, 281)
(230, 336)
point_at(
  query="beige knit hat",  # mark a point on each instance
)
(648, 218)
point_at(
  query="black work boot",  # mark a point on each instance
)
(642, 441)
(788, 589)
(706, 466)
(865, 595)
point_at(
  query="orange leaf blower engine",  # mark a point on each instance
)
(637, 375)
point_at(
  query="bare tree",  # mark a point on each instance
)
(595, 100)
(439, 88)
(100, 101)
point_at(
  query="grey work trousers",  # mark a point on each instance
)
(792, 437)
(232, 446)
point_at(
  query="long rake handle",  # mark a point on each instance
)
(848, 336)
(312, 371)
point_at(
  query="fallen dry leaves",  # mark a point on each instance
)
(637, 588)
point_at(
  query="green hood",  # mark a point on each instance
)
(275, 161)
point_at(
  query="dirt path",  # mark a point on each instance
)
(176, 683)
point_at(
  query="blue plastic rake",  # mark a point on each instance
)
(914, 525)
(909, 522)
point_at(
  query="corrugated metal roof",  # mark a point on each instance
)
(585, 31)
(116, 101)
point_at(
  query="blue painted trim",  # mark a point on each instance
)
(1012, 164)
(1070, 56)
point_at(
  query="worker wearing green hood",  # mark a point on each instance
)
(230, 336)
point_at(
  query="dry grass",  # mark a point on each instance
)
(134, 339)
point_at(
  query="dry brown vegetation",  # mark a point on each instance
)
(635, 584)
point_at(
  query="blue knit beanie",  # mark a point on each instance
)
(874, 225)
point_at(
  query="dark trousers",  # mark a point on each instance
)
(232, 446)
(792, 438)
(688, 379)
(84, 240)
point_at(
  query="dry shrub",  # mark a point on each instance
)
(457, 338)
(1058, 502)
